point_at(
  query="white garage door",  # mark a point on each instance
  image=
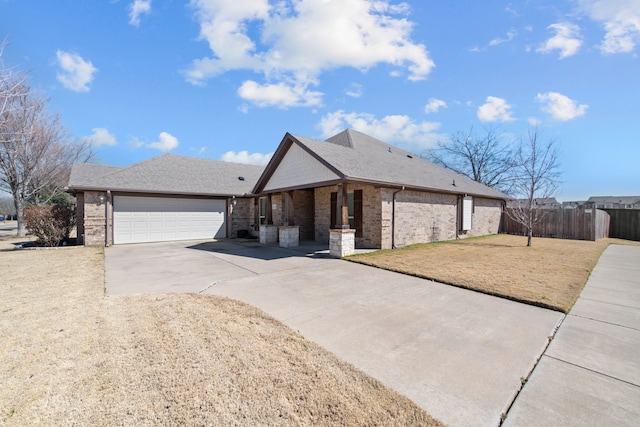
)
(160, 219)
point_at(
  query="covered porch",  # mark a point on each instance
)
(310, 217)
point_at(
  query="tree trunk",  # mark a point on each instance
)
(529, 236)
(22, 227)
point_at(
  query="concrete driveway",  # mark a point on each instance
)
(458, 354)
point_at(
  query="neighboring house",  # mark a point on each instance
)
(616, 202)
(165, 198)
(393, 198)
(538, 203)
(388, 196)
(576, 204)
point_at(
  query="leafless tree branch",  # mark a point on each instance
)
(536, 176)
(36, 153)
(485, 159)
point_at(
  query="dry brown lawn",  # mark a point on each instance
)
(551, 273)
(71, 356)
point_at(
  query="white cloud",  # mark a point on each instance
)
(398, 129)
(76, 74)
(279, 95)
(434, 105)
(198, 151)
(511, 10)
(244, 157)
(354, 90)
(294, 42)
(534, 121)
(511, 34)
(101, 136)
(561, 107)
(137, 8)
(495, 110)
(621, 21)
(567, 40)
(166, 142)
(135, 142)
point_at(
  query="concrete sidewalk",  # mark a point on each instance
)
(590, 374)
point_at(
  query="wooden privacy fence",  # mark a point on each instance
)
(625, 224)
(577, 224)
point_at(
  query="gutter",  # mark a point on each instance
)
(393, 218)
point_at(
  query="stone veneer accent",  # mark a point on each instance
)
(268, 234)
(342, 242)
(289, 236)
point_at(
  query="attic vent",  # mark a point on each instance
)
(241, 178)
(410, 156)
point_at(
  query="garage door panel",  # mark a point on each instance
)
(156, 219)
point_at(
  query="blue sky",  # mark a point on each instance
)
(226, 79)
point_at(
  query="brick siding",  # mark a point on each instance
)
(241, 216)
(371, 212)
(94, 218)
(487, 215)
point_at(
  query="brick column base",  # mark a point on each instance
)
(342, 242)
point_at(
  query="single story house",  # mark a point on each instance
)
(385, 196)
(615, 202)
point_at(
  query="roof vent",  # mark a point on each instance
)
(241, 178)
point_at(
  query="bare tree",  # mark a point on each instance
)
(11, 83)
(485, 159)
(35, 153)
(7, 207)
(536, 176)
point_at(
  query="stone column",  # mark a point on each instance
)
(342, 242)
(289, 236)
(268, 233)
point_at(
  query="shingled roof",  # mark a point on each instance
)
(169, 174)
(629, 200)
(354, 156)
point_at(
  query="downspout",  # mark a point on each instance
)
(458, 215)
(107, 211)
(393, 218)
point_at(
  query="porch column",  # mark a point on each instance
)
(342, 207)
(269, 213)
(256, 213)
(342, 238)
(268, 231)
(287, 197)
